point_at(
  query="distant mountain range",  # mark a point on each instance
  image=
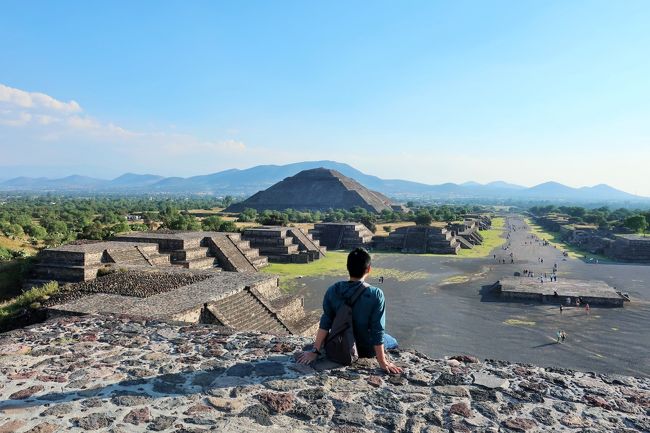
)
(249, 181)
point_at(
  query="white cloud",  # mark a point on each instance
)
(61, 129)
(36, 100)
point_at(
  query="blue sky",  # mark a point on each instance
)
(430, 91)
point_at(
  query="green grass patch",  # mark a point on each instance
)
(30, 298)
(554, 238)
(492, 238)
(333, 265)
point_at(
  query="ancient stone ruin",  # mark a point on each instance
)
(347, 236)
(466, 233)
(105, 373)
(238, 301)
(633, 248)
(559, 292)
(316, 189)
(191, 250)
(198, 250)
(419, 240)
(284, 244)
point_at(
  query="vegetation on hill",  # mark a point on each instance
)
(23, 305)
(605, 218)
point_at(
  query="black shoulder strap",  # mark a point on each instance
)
(353, 299)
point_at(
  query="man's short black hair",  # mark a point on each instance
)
(358, 262)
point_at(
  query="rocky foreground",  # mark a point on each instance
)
(121, 375)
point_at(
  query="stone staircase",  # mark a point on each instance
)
(235, 254)
(193, 258)
(276, 244)
(127, 256)
(244, 311)
(419, 240)
(337, 236)
(307, 243)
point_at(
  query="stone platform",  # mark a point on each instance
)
(596, 293)
(239, 301)
(346, 236)
(631, 248)
(191, 250)
(284, 244)
(112, 374)
(418, 240)
(81, 262)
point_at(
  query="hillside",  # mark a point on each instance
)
(251, 180)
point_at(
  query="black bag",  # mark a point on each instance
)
(340, 345)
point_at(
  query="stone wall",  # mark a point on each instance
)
(284, 244)
(633, 248)
(346, 236)
(418, 240)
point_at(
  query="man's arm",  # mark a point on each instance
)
(324, 326)
(383, 362)
(377, 325)
(309, 357)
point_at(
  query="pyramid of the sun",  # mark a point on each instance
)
(315, 189)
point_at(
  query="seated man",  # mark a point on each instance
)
(368, 315)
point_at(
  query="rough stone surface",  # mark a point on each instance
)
(143, 376)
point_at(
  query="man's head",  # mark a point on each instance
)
(358, 263)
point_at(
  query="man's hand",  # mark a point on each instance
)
(389, 367)
(307, 357)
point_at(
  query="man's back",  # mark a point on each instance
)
(368, 314)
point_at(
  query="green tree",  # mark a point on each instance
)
(636, 223)
(211, 223)
(423, 218)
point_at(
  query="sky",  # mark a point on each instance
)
(430, 91)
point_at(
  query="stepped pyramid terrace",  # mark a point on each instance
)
(238, 301)
(419, 239)
(347, 236)
(191, 250)
(633, 248)
(284, 244)
(315, 189)
(467, 232)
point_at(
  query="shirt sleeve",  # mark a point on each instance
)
(328, 313)
(378, 320)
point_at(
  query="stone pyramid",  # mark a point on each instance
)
(315, 189)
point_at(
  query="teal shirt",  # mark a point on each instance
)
(368, 314)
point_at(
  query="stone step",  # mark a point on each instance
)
(188, 254)
(203, 263)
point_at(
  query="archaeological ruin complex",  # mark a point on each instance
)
(174, 277)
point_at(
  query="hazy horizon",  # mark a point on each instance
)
(56, 173)
(431, 92)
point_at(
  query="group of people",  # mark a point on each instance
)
(561, 336)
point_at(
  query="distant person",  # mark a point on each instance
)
(368, 314)
(559, 336)
(561, 308)
(587, 308)
(563, 335)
